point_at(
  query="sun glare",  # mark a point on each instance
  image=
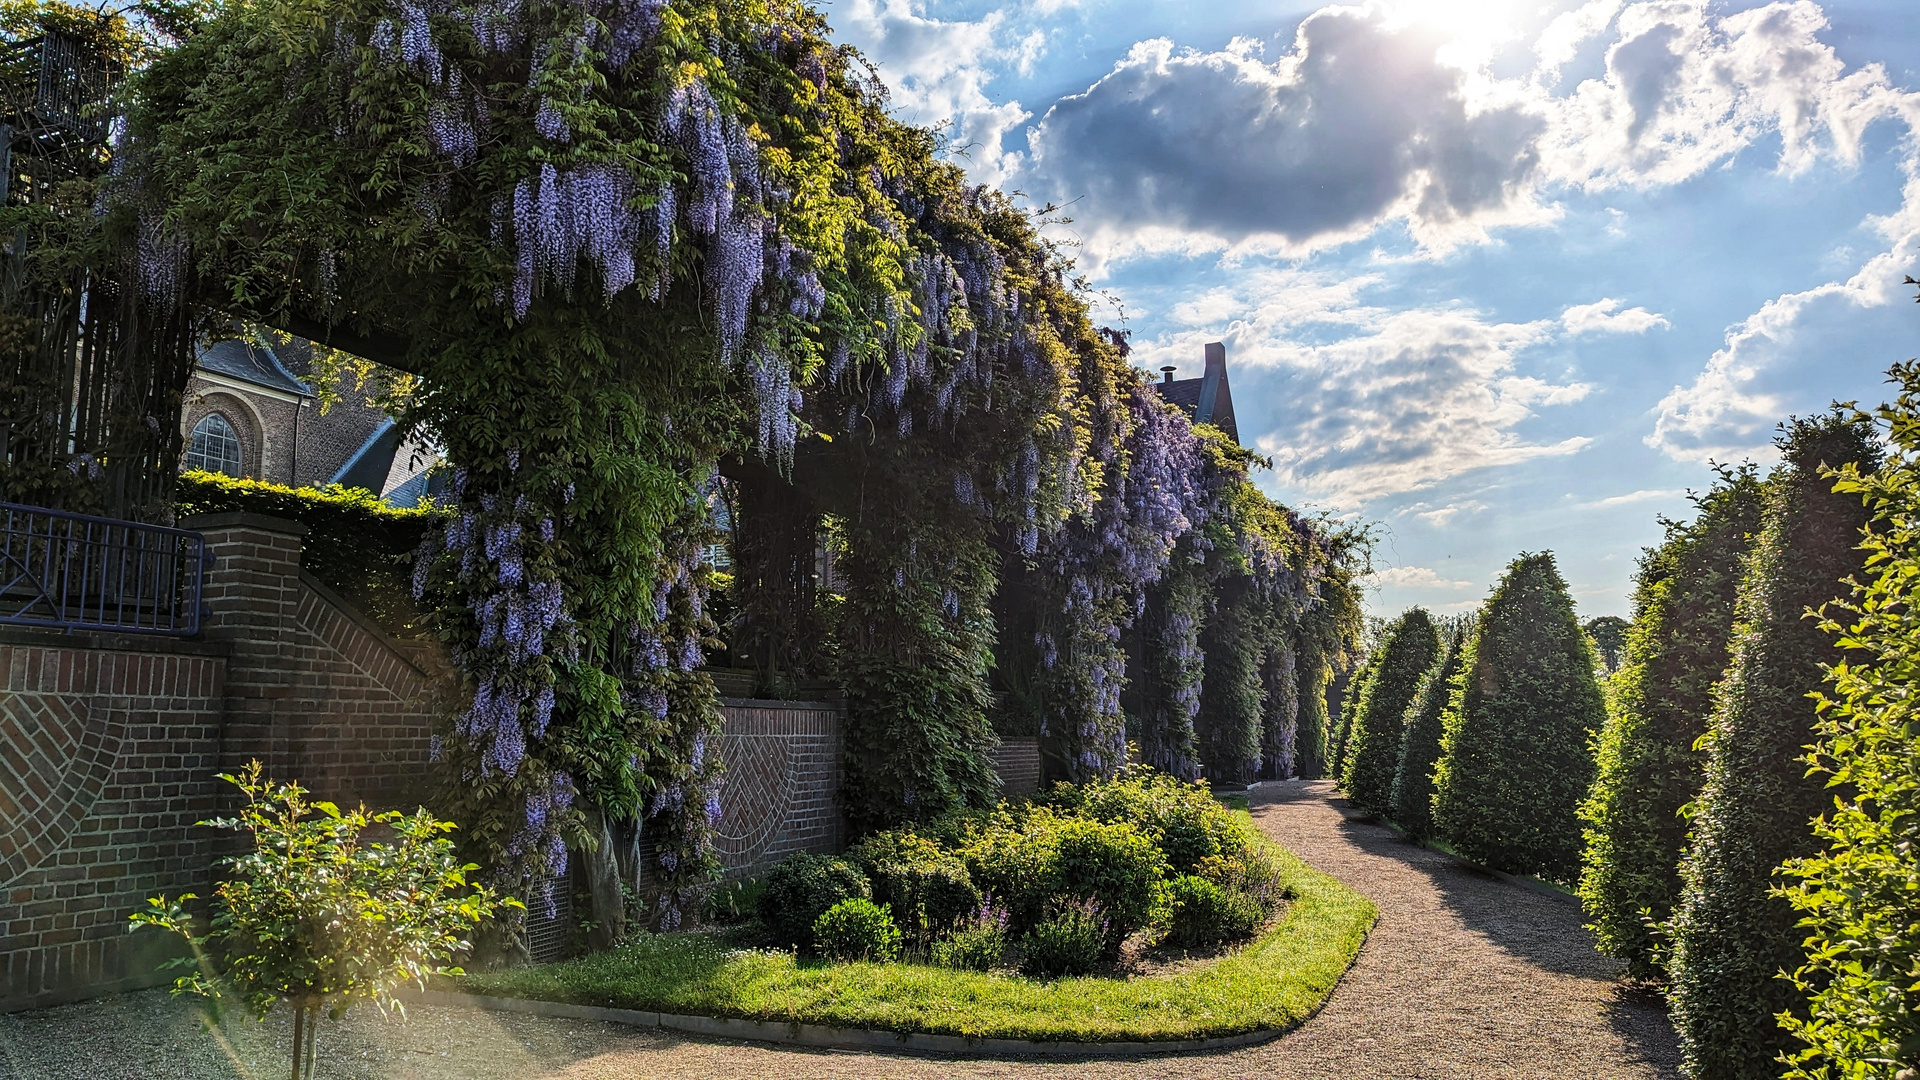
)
(1472, 27)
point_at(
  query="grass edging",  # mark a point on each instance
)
(1265, 989)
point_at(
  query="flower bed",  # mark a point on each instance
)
(1272, 981)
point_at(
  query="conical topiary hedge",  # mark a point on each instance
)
(1379, 723)
(1648, 767)
(1514, 762)
(1420, 750)
(1731, 937)
(1355, 684)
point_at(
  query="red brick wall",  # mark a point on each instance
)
(108, 748)
(782, 783)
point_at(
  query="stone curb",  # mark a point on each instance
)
(824, 1037)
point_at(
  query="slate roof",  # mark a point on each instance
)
(251, 363)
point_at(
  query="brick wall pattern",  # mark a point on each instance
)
(109, 746)
(782, 782)
(107, 756)
(1017, 761)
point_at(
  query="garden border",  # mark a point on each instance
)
(825, 1037)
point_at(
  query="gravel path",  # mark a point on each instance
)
(1464, 976)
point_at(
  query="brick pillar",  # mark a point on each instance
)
(253, 593)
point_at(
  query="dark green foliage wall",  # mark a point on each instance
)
(1514, 760)
(916, 636)
(1648, 767)
(1730, 936)
(1412, 796)
(1279, 711)
(1857, 896)
(1232, 696)
(1379, 722)
(1315, 674)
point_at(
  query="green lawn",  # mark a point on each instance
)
(1275, 982)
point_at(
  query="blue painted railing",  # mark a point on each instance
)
(76, 572)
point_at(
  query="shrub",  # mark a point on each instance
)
(1514, 763)
(1420, 749)
(800, 889)
(857, 929)
(316, 916)
(1379, 722)
(1730, 937)
(977, 943)
(926, 887)
(733, 902)
(1856, 897)
(1051, 858)
(1183, 820)
(1676, 649)
(1068, 943)
(1204, 914)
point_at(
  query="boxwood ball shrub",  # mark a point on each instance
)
(926, 887)
(857, 929)
(1514, 762)
(1070, 942)
(799, 889)
(1203, 914)
(1732, 934)
(1379, 722)
(1676, 649)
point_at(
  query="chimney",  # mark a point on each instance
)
(1167, 374)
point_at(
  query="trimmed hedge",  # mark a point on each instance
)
(1420, 750)
(1648, 768)
(1857, 897)
(801, 888)
(1731, 936)
(356, 545)
(1355, 683)
(1514, 763)
(1379, 723)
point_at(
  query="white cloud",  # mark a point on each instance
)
(1413, 577)
(1441, 516)
(938, 70)
(1600, 318)
(1395, 401)
(1730, 409)
(1357, 124)
(1631, 497)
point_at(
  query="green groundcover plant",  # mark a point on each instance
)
(319, 918)
(1857, 898)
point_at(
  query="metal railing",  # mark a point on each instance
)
(76, 572)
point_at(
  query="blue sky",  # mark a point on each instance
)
(1502, 276)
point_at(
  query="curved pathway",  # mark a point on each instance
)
(1464, 976)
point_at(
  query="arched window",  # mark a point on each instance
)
(213, 446)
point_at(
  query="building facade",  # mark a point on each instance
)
(1207, 399)
(251, 411)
